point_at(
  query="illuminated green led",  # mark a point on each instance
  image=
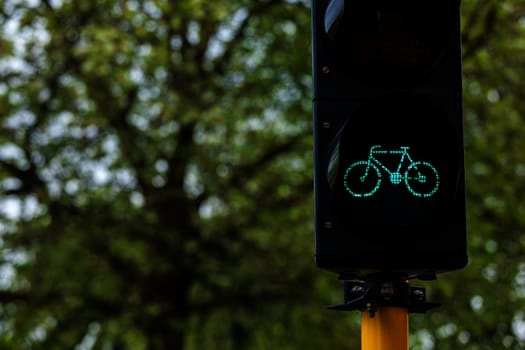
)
(363, 178)
(396, 178)
(422, 173)
(359, 181)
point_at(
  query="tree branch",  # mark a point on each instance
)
(473, 44)
(223, 61)
(246, 171)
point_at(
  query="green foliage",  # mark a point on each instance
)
(156, 178)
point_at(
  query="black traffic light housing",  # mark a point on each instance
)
(389, 173)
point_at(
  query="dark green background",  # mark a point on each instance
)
(158, 158)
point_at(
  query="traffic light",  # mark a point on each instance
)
(389, 173)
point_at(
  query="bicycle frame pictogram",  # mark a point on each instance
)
(363, 178)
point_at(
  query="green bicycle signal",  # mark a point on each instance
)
(363, 178)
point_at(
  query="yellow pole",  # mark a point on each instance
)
(386, 330)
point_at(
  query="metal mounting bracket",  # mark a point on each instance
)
(369, 295)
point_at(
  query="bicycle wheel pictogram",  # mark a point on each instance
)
(422, 179)
(362, 179)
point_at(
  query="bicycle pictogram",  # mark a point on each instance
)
(363, 178)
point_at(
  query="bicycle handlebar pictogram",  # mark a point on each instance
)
(363, 178)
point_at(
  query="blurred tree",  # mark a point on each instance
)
(155, 168)
(154, 171)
